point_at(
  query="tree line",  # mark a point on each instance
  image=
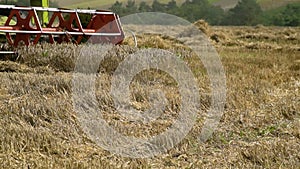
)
(246, 12)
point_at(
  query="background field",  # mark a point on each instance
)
(100, 4)
(260, 127)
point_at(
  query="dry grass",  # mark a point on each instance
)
(260, 127)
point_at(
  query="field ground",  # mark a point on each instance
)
(260, 127)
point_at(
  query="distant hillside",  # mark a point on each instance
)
(225, 4)
(271, 4)
(265, 4)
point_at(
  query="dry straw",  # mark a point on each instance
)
(260, 127)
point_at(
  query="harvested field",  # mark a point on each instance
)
(260, 127)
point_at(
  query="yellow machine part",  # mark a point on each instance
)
(2, 22)
(42, 3)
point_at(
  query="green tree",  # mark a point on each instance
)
(144, 7)
(158, 7)
(130, 7)
(172, 7)
(188, 10)
(117, 8)
(291, 15)
(246, 12)
(288, 15)
(214, 15)
(196, 9)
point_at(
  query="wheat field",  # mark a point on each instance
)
(260, 127)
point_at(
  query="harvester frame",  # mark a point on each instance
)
(28, 29)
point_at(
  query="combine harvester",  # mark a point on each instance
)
(28, 25)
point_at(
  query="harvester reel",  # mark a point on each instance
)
(104, 27)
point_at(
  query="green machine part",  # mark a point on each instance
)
(42, 3)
